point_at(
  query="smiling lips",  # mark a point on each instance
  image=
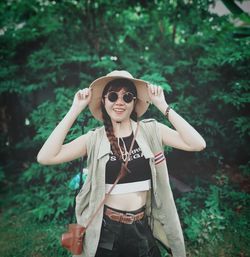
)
(118, 110)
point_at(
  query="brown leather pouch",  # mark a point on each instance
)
(73, 239)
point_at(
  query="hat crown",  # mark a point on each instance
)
(120, 73)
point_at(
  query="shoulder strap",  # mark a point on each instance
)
(121, 174)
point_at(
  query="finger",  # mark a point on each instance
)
(90, 92)
(156, 90)
(153, 89)
(87, 93)
(83, 94)
(159, 90)
(86, 90)
(78, 94)
(150, 88)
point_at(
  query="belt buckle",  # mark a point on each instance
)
(132, 216)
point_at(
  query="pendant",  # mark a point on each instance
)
(124, 156)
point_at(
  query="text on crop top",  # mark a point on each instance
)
(139, 179)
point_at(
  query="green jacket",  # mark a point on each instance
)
(165, 223)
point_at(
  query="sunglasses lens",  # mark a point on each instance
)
(112, 96)
(128, 97)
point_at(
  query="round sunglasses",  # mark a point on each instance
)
(127, 97)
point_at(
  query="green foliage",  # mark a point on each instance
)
(205, 225)
(211, 215)
(245, 169)
(202, 67)
(21, 236)
(158, 79)
(47, 195)
(2, 175)
(50, 49)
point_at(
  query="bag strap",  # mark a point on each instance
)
(120, 175)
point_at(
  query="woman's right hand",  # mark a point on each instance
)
(81, 100)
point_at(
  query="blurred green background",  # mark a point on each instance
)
(197, 50)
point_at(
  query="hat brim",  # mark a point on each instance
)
(98, 85)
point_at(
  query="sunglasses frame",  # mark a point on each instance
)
(117, 96)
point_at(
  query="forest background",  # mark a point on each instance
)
(50, 49)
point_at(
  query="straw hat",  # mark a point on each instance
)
(98, 85)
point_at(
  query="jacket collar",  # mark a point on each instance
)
(104, 144)
(140, 139)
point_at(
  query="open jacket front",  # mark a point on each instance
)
(165, 222)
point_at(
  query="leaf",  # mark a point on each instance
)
(156, 78)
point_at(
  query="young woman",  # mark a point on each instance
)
(141, 208)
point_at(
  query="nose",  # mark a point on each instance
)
(120, 100)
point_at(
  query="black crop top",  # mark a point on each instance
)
(137, 164)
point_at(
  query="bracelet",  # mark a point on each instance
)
(167, 111)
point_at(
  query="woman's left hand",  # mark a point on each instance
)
(156, 95)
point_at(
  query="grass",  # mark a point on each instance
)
(21, 236)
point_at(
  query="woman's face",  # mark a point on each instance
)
(119, 109)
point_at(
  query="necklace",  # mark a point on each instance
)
(124, 153)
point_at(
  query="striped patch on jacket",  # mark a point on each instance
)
(159, 157)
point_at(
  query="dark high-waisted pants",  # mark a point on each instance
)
(127, 240)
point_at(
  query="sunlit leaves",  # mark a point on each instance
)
(158, 79)
(242, 123)
(238, 96)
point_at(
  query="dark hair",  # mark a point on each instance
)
(116, 85)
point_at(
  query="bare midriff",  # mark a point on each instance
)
(128, 201)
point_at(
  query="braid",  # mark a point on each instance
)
(134, 116)
(110, 133)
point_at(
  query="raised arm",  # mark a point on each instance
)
(185, 137)
(54, 151)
